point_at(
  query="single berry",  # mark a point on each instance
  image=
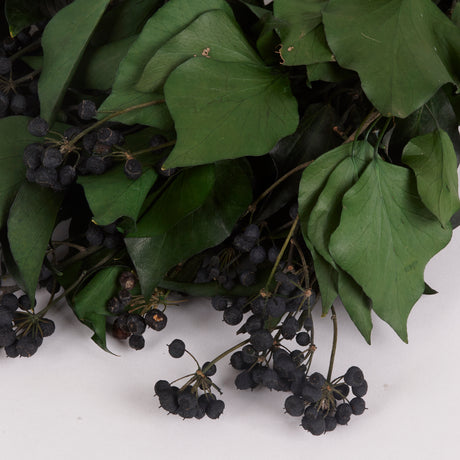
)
(5, 65)
(10, 301)
(358, 406)
(127, 280)
(176, 348)
(219, 303)
(257, 255)
(156, 319)
(215, 408)
(360, 390)
(211, 369)
(47, 327)
(67, 175)
(294, 406)
(354, 376)
(303, 338)
(341, 391)
(233, 316)
(26, 346)
(38, 127)
(261, 340)
(135, 324)
(317, 380)
(133, 169)
(137, 342)
(33, 155)
(52, 158)
(87, 110)
(343, 413)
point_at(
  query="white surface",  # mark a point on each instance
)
(73, 401)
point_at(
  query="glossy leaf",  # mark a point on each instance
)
(113, 195)
(15, 137)
(69, 30)
(403, 50)
(226, 110)
(30, 223)
(432, 158)
(168, 235)
(325, 216)
(213, 34)
(90, 302)
(301, 31)
(385, 238)
(164, 24)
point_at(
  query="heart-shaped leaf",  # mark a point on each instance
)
(385, 238)
(226, 110)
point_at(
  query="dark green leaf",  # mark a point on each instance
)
(213, 34)
(30, 223)
(325, 216)
(226, 110)
(414, 44)
(99, 66)
(357, 304)
(204, 215)
(64, 42)
(301, 31)
(327, 278)
(432, 158)
(89, 304)
(22, 13)
(437, 113)
(328, 71)
(385, 238)
(164, 24)
(124, 20)
(15, 137)
(456, 15)
(113, 195)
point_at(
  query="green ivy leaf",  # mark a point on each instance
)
(164, 24)
(99, 66)
(123, 20)
(356, 303)
(301, 31)
(69, 30)
(385, 238)
(113, 195)
(226, 110)
(30, 223)
(325, 216)
(22, 13)
(204, 216)
(432, 158)
(213, 34)
(90, 302)
(414, 44)
(327, 277)
(15, 137)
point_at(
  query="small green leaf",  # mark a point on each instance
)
(325, 216)
(113, 195)
(164, 24)
(301, 31)
(89, 304)
(357, 304)
(30, 224)
(403, 50)
(213, 34)
(432, 158)
(22, 13)
(385, 238)
(204, 216)
(64, 42)
(15, 137)
(226, 110)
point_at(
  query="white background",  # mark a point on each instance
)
(73, 401)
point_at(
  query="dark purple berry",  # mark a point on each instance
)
(133, 169)
(87, 110)
(156, 319)
(137, 342)
(38, 127)
(176, 348)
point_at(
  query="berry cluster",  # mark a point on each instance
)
(133, 314)
(239, 262)
(55, 162)
(186, 401)
(18, 83)
(22, 332)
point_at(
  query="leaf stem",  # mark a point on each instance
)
(334, 343)
(32, 47)
(114, 115)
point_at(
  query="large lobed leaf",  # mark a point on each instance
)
(403, 50)
(210, 199)
(225, 110)
(64, 42)
(385, 238)
(163, 25)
